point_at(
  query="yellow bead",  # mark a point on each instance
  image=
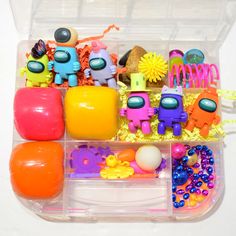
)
(200, 198)
(91, 112)
(192, 203)
(192, 159)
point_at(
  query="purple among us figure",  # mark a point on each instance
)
(101, 67)
(171, 112)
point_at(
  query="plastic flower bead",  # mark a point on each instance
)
(116, 169)
(153, 66)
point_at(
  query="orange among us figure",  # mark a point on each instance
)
(203, 113)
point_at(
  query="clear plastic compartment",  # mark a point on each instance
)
(158, 26)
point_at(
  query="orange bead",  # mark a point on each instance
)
(37, 170)
(126, 155)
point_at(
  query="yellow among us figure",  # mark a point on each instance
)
(36, 70)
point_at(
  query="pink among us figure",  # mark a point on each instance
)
(139, 111)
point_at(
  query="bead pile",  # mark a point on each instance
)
(192, 174)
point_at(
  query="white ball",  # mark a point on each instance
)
(148, 157)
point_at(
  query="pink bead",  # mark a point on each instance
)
(210, 185)
(211, 177)
(178, 150)
(198, 191)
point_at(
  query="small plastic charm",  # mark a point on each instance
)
(139, 111)
(36, 70)
(116, 169)
(101, 67)
(85, 160)
(66, 63)
(153, 66)
(194, 56)
(171, 112)
(148, 158)
(203, 113)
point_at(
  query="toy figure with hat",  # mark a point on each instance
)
(139, 111)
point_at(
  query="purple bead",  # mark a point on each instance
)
(211, 177)
(188, 187)
(187, 146)
(204, 192)
(210, 185)
(204, 161)
(203, 166)
(203, 153)
(200, 173)
(197, 152)
(196, 165)
(194, 181)
(180, 191)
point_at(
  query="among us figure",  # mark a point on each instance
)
(101, 67)
(66, 63)
(171, 112)
(36, 70)
(139, 111)
(203, 113)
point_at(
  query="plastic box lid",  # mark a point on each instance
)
(179, 20)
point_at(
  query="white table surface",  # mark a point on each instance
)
(16, 220)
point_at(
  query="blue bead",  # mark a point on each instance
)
(211, 161)
(204, 148)
(190, 171)
(191, 152)
(179, 168)
(193, 190)
(173, 188)
(185, 159)
(186, 196)
(199, 147)
(204, 176)
(209, 170)
(173, 197)
(209, 152)
(181, 203)
(176, 204)
(196, 176)
(206, 180)
(179, 177)
(199, 184)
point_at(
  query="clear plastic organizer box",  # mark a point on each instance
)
(158, 26)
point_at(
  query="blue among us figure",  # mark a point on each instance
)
(66, 63)
(171, 111)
